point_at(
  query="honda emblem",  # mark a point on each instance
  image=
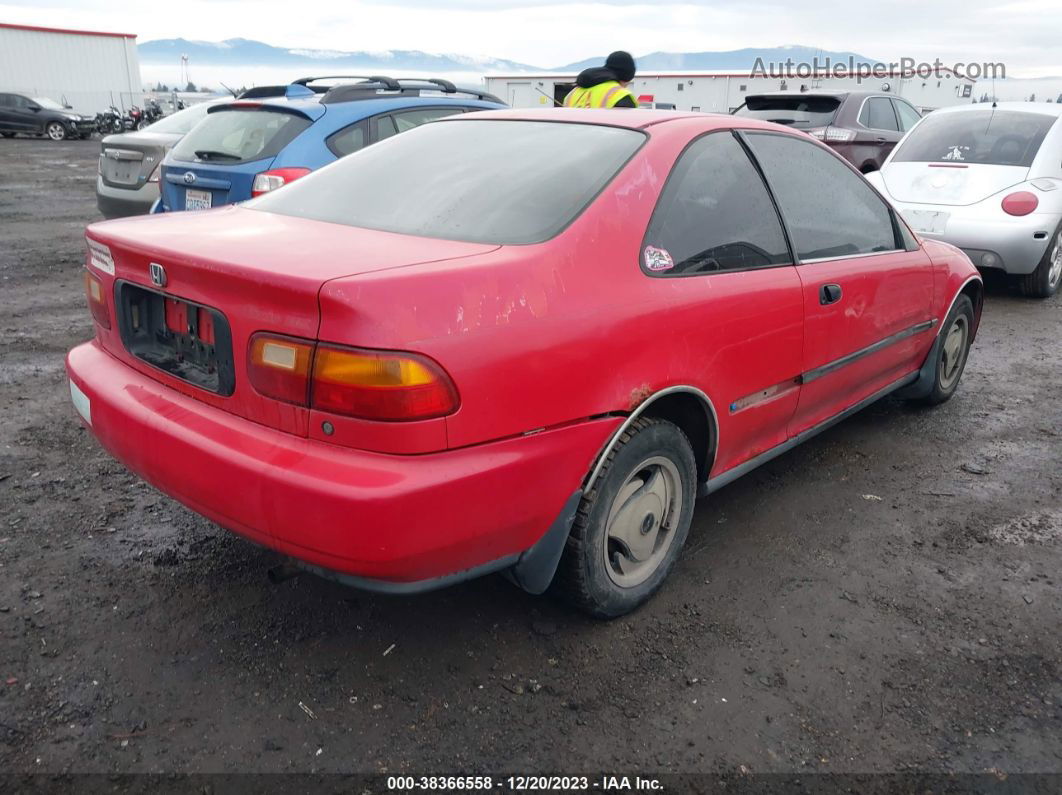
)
(158, 274)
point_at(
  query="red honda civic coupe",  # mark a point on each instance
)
(520, 341)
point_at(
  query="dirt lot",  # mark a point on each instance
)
(884, 598)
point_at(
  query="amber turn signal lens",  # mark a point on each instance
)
(97, 300)
(380, 385)
(279, 367)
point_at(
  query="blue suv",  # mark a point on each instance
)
(270, 136)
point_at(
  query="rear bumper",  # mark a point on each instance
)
(396, 523)
(121, 202)
(1010, 240)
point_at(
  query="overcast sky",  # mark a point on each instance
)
(1023, 34)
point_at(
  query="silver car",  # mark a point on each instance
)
(128, 179)
(987, 179)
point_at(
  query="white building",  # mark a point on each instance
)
(84, 69)
(722, 92)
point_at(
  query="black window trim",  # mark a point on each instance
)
(899, 239)
(736, 134)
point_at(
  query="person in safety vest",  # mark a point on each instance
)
(604, 86)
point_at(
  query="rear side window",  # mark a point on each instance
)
(239, 135)
(714, 214)
(5, 101)
(348, 140)
(908, 115)
(799, 111)
(830, 210)
(995, 137)
(386, 126)
(877, 114)
(460, 180)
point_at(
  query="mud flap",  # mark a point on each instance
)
(535, 569)
(927, 375)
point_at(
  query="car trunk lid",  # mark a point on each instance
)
(128, 161)
(949, 183)
(189, 291)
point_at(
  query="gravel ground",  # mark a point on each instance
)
(884, 598)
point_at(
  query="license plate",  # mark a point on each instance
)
(932, 221)
(197, 200)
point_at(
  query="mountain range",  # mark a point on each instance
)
(249, 53)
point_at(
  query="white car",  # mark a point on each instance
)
(988, 179)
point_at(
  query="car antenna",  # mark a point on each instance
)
(234, 94)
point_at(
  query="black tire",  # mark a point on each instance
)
(1045, 280)
(8, 135)
(587, 575)
(56, 131)
(951, 360)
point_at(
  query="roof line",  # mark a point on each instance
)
(71, 31)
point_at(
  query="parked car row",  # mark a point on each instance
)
(518, 341)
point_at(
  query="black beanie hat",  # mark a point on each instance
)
(622, 64)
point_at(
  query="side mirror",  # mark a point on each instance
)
(34, 107)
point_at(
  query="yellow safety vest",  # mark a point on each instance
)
(603, 95)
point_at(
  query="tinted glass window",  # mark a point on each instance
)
(877, 114)
(474, 180)
(5, 100)
(385, 128)
(996, 137)
(235, 136)
(19, 102)
(800, 110)
(409, 119)
(714, 214)
(908, 115)
(347, 140)
(830, 210)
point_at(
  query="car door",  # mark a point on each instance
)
(867, 285)
(735, 306)
(20, 117)
(881, 129)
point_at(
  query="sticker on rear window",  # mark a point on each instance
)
(658, 259)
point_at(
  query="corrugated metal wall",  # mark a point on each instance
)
(90, 71)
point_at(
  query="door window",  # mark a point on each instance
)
(714, 214)
(409, 119)
(908, 115)
(877, 114)
(829, 209)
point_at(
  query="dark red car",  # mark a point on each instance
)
(520, 341)
(861, 126)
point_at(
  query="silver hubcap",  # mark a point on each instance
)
(642, 520)
(1054, 272)
(954, 352)
(56, 132)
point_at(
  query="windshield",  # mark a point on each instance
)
(797, 111)
(51, 104)
(182, 121)
(994, 137)
(237, 135)
(475, 180)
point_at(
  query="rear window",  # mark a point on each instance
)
(797, 111)
(993, 137)
(238, 135)
(182, 121)
(482, 181)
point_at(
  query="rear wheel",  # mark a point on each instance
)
(952, 352)
(8, 135)
(55, 131)
(1045, 280)
(632, 523)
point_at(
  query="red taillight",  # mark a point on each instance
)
(380, 385)
(279, 367)
(97, 300)
(277, 178)
(1020, 203)
(389, 386)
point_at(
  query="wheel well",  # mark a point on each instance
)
(975, 289)
(692, 416)
(868, 167)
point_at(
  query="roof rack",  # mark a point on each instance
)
(370, 85)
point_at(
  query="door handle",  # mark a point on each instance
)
(829, 294)
(881, 139)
